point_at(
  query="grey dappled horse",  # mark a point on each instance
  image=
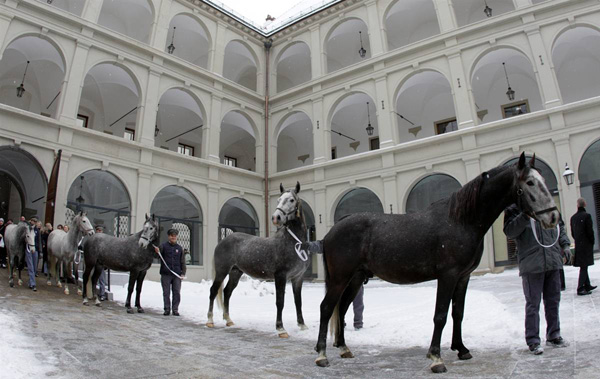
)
(17, 239)
(62, 248)
(133, 254)
(264, 258)
(443, 242)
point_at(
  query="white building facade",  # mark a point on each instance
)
(158, 106)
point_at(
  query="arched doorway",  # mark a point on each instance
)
(505, 250)
(589, 180)
(357, 200)
(237, 215)
(430, 189)
(176, 208)
(105, 199)
(23, 185)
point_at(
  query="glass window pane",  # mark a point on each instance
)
(429, 190)
(237, 215)
(356, 201)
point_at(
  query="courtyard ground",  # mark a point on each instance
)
(47, 333)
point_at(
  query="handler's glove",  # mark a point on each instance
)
(567, 256)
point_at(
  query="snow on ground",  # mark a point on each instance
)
(18, 351)
(394, 315)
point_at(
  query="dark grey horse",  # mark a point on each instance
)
(134, 254)
(17, 240)
(264, 258)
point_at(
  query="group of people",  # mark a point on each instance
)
(541, 254)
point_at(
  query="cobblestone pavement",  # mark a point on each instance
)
(77, 342)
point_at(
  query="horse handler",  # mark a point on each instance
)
(172, 271)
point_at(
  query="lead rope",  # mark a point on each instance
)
(532, 222)
(301, 253)
(77, 258)
(166, 265)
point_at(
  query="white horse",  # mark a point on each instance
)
(62, 248)
(17, 239)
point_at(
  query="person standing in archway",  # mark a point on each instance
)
(173, 262)
(582, 230)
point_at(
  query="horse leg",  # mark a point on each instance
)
(138, 291)
(11, 269)
(458, 310)
(68, 275)
(328, 305)
(445, 290)
(347, 299)
(59, 268)
(86, 278)
(215, 290)
(51, 270)
(19, 265)
(280, 299)
(97, 271)
(132, 278)
(76, 271)
(234, 278)
(297, 288)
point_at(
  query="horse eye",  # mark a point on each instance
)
(292, 200)
(529, 183)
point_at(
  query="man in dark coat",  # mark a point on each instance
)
(540, 253)
(582, 230)
(172, 272)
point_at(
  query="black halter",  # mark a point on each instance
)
(294, 211)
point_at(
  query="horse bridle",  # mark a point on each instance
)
(520, 193)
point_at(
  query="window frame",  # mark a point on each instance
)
(227, 160)
(513, 105)
(131, 132)
(447, 122)
(185, 147)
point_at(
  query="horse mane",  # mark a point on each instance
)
(464, 203)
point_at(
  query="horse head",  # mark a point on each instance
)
(83, 224)
(288, 206)
(30, 237)
(533, 197)
(149, 233)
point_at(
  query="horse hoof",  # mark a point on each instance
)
(322, 362)
(49, 283)
(438, 368)
(141, 310)
(59, 285)
(465, 356)
(284, 335)
(79, 292)
(346, 353)
(230, 323)
(20, 282)
(210, 325)
(85, 302)
(99, 305)
(11, 284)
(66, 292)
(303, 327)
(130, 311)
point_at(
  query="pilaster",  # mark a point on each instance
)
(375, 35)
(147, 122)
(465, 112)
(548, 85)
(68, 104)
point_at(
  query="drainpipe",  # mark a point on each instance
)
(268, 45)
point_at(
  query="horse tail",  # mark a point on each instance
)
(220, 291)
(334, 321)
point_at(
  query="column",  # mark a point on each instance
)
(321, 225)
(547, 83)
(321, 139)
(212, 237)
(62, 189)
(568, 194)
(384, 121)
(445, 15)
(375, 35)
(219, 49)
(143, 201)
(149, 107)
(316, 51)
(465, 112)
(92, 9)
(68, 105)
(390, 193)
(160, 26)
(211, 138)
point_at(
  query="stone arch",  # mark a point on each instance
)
(189, 28)
(238, 136)
(119, 16)
(293, 65)
(342, 43)
(421, 194)
(241, 64)
(354, 200)
(238, 215)
(409, 21)
(293, 132)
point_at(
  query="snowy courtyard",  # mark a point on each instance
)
(48, 333)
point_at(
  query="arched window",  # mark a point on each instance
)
(349, 122)
(237, 215)
(179, 123)
(41, 78)
(409, 21)
(356, 201)
(23, 185)
(493, 97)
(238, 142)
(105, 199)
(576, 58)
(295, 142)
(429, 190)
(240, 65)
(293, 66)
(425, 107)
(109, 101)
(470, 11)
(134, 18)
(176, 208)
(344, 47)
(72, 6)
(189, 40)
(589, 179)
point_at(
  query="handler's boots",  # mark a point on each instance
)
(536, 349)
(557, 342)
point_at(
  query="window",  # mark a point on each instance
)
(446, 126)
(515, 109)
(185, 150)
(129, 134)
(333, 152)
(84, 119)
(374, 143)
(230, 161)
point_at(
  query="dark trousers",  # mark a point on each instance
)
(171, 283)
(563, 283)
(536, 286)
(358, 306)
(32, 261)
(584, 279)
(2, 255)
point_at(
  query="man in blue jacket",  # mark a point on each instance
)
(540, 253)
(172, 272)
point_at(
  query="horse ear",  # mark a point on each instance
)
(281, 188)
(532, 161)
(521, 164)
(146, 214)
(153, 217)
(297, 187)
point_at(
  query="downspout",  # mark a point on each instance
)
(268, 45)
